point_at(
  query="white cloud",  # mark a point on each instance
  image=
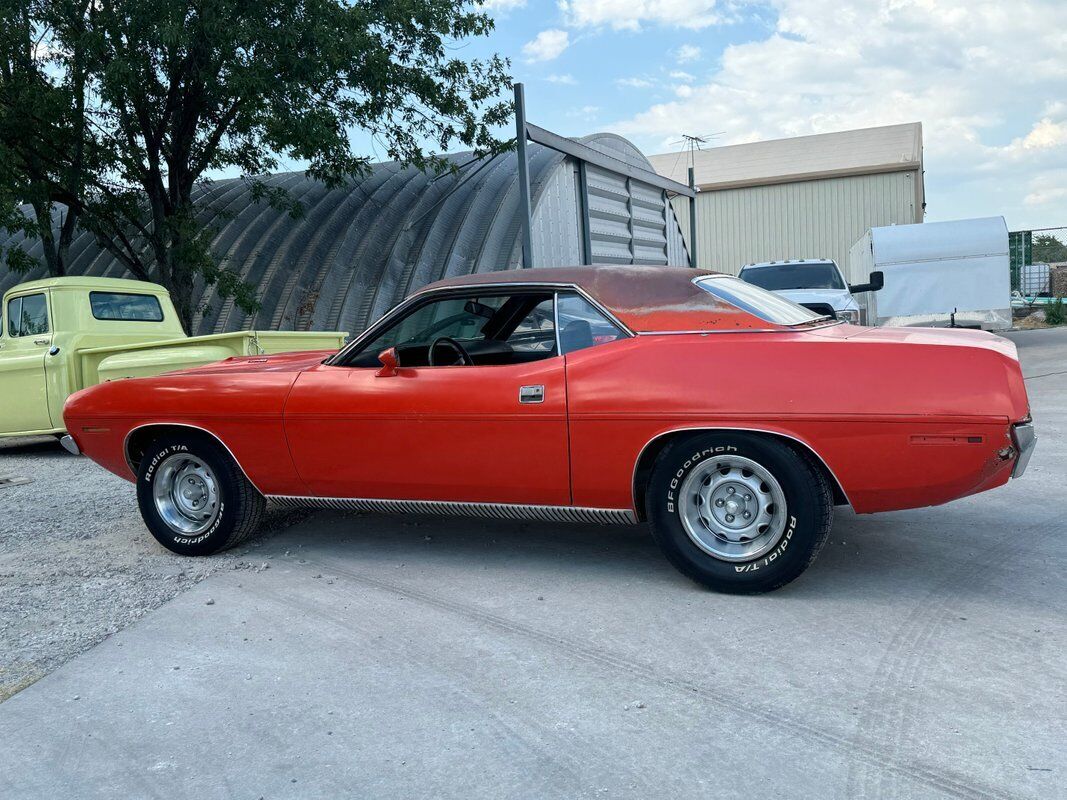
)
(991, 136)
(1046, 134)
(687, 53)
(635, 83)
(680, 75)
(632, 14)
(683, 90)
(503, 5)
(566, 79)
(547, 45)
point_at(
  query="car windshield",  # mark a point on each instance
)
(758, 302)
(776, 277)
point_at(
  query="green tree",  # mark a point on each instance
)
(43, 148)
(1048, 249)
(113, 112)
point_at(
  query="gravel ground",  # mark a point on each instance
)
(76, 563)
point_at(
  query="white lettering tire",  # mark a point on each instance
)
(738, 512)
(193, 497)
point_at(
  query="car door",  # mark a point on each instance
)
(491, 432)
(23, 349)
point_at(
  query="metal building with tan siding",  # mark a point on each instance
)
(804, 197)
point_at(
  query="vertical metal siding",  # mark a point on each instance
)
(556, 221)
(809, 219)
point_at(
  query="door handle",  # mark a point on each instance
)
(41, 341)
(531, 394)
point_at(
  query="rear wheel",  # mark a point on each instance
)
(738, 512)
(193, 497)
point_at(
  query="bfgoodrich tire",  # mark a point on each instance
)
(738, 512)
(193, 497)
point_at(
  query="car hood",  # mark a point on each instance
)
(838, 299)
(278, 362)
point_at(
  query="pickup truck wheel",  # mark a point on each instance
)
(193, 497)
(738, 513)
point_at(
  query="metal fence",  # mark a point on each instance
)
(1035, 256)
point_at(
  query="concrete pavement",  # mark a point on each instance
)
(921, 656)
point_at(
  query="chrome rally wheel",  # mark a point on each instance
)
(737, 511)
(732, 508)
(186, 494)
(193, 496)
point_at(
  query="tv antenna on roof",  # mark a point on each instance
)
(691, 143)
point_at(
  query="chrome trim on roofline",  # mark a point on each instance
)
(603, 516)
(421, 294)
(784, 329)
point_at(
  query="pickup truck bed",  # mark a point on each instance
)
(65, 334)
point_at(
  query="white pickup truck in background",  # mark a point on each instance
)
(815, 283)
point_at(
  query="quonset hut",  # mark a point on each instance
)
(361, 248)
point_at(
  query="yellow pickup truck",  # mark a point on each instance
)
(63, 334)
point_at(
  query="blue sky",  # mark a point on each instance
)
(988, 80)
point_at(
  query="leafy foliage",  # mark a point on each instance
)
(1055, 312)
(113, 112)
(1048, 249)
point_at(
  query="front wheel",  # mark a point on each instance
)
(737, 512)
(193, 497)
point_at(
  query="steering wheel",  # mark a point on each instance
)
(464, 356)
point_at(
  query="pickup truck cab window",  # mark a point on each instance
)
(794, 275)
(118, 306)
(27, 315)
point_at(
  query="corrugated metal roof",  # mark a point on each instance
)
(889, 148)
(361, 248)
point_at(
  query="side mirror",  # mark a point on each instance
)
(390, 363)
(877, 281)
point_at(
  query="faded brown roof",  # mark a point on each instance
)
(644, 298)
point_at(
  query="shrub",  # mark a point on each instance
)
(1055, 313)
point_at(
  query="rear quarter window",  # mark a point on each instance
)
(123, 307)
(756, 301)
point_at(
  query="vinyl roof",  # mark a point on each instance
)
(646, 299)
(890, 148)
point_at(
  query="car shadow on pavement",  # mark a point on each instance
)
(33, 446)
(865, 556)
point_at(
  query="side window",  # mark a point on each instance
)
(582, 325)
(27, 315)
(536, 332)
(490, 330)
(14, 314)
(458, 318)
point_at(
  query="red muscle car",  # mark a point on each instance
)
(728, 418)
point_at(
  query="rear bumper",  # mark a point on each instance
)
(1025, 439)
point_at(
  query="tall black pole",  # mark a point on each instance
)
(524, 176)
(692, 220)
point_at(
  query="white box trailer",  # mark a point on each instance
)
(936, 274)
